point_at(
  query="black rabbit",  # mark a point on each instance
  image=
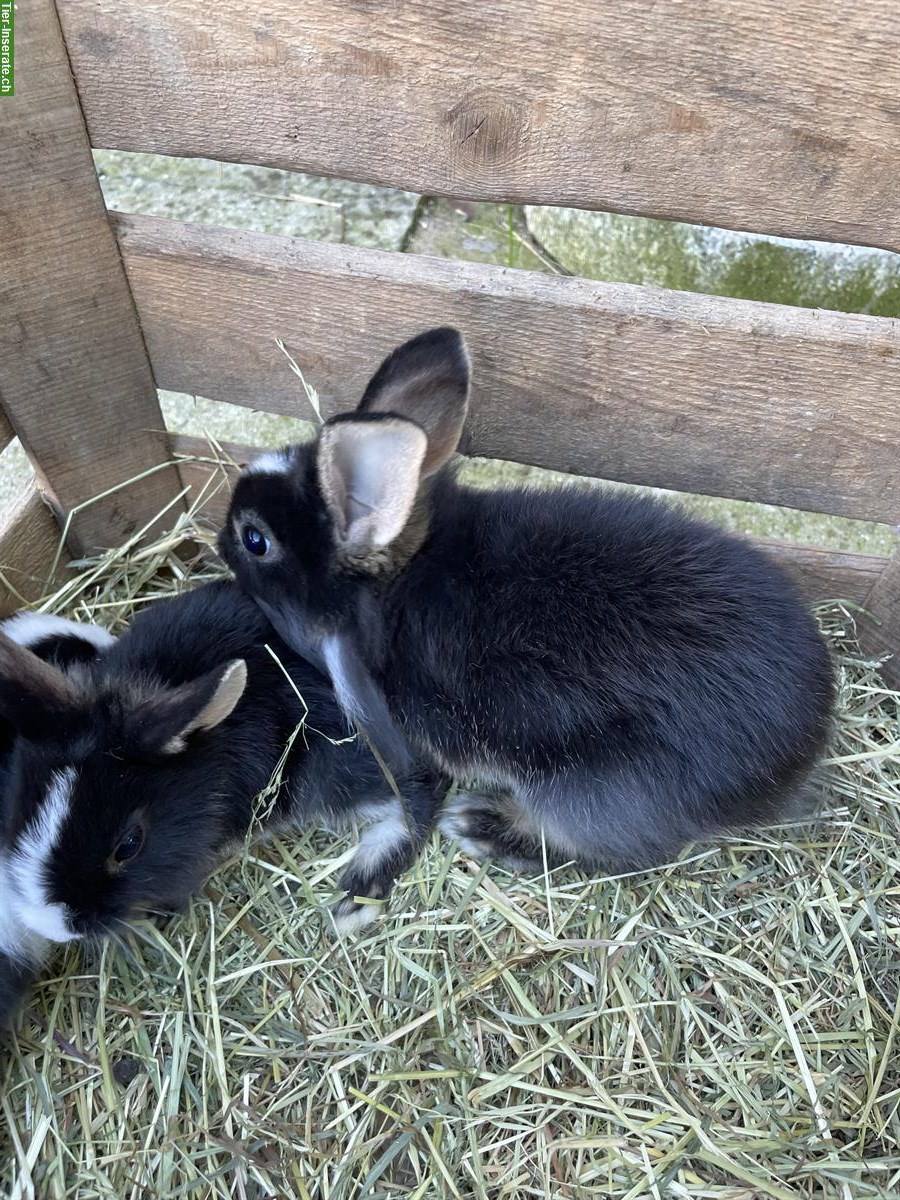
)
(130, 775)
(619, 678)
(63, 642)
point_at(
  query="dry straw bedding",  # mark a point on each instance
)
(724, 1027)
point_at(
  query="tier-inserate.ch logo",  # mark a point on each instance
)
(7, 47)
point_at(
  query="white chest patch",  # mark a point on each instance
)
(28, 864)
(344, 691)
(16, 940)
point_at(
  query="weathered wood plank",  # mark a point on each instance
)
(826, 574)
(74, 376)
(694, 393)
(879, 627)
(822, 574)
(204, 459)
(29, 541)
(752, 114)
(7, 433)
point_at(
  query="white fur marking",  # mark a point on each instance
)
(453, 824)
(357, 919)
(344, 693)
(16, 940)
(275, 462)
(28, 628)
(452, 827)
(29, 862)
(382, 839)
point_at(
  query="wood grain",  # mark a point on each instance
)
(695, 393)
(29, 541)
(879, 626)
(821, 574)
(75, 381)
(7, 433)
(751, 114)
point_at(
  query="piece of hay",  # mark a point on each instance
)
(723, 1028)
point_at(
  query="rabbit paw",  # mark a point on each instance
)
(483, 827)
(384, 850)
(472, 821)
(351, 916)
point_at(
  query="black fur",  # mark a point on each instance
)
(16, 977)
(63, 650)
(17, 973)
(626, 678)
(193, 804)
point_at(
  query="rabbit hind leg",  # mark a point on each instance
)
(493, 826)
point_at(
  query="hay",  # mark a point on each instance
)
(722, 1028)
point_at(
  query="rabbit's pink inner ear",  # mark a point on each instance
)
(220, 705)
(162, 722)
(369, 473)
(427, 381)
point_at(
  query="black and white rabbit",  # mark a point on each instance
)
(64, 643)
(132, 775)
(621, 679)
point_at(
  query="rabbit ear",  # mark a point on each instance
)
(427, 381)
(36, 698)
(369, 472)
(162, 723)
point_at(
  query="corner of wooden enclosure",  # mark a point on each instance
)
(75, 380)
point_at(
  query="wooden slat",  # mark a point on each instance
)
(879, 627)
(205, 457)
(752, 114)
(29, 541)
(75, 381)
(694, 393)
(826, 574)
(822, 574)
(7, 433)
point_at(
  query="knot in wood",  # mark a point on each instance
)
(487, 130)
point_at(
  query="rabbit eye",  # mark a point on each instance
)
(255, 542)
(130, 846)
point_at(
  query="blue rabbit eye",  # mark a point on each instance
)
(130, 846)
(255, 542)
